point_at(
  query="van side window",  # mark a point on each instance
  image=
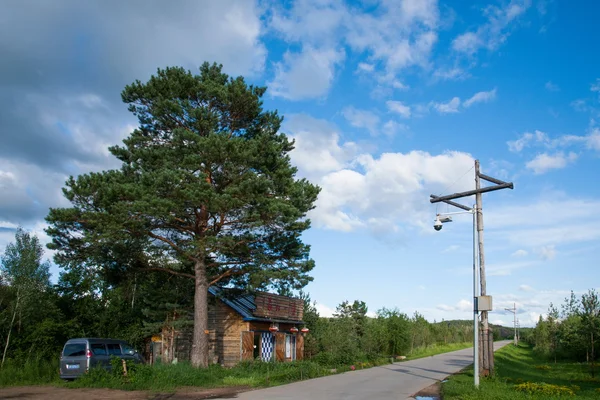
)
(114, 349)
(98, 349)
(74, 350)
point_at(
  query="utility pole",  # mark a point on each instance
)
(486, 365)
(514, 311)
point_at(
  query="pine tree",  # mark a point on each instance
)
(206, 191)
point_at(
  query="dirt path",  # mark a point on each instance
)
(58, 393)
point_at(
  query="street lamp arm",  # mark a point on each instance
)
(470, 211)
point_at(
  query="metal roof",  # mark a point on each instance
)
(244, 305)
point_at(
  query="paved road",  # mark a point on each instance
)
(393, 381)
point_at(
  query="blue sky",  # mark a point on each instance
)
(389, 102)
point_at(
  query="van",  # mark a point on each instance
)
(79, 355)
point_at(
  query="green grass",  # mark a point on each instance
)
(437, 349)
(518, 367)
(33, 372)
(170, 377)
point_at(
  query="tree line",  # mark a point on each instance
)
(571, 331)
(37, 316)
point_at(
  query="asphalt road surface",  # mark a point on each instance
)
(394, 381)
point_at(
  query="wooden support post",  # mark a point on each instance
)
(485, 368)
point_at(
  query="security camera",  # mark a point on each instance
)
(437, 225)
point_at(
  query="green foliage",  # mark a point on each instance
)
(544, 389)
(573, 334)
(162, 377)
(32, 372)
(27, 310)
(206, 179)
(434, 349)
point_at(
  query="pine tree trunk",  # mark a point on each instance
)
(200, 346)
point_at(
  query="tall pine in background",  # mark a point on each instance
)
(206, 191)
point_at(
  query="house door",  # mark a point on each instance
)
(247, 345)
(267, 346)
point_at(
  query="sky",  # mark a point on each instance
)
(388, 101)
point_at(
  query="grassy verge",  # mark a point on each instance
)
(437, 349)
(170, 377)
(33, 372)
(167, 377)
(520, 374)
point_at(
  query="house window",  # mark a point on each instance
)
(290, 347)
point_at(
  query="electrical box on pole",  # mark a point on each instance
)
(483, 303)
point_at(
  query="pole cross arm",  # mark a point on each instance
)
(493, 180)
(452, 203)
(437, 199)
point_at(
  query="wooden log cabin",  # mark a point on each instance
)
(240, 328)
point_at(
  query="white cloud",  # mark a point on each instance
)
(309, 21)
(324, 311)
(541, 223)
(580, 105)
(595, 87)
(468, 43)
(547, 253)
(362, 119)
(391, 128)
(520, 253)
(505, 269)
(525, 140)
(593, 139)
(480, 97)
(449, 107)
(398, 108)
(389, 187)
(305, 75)
(552, 87)
(545, 162)
(542, 139)
(525, 288)
(494, 31)
(360, 191)
(393, 35)
(454, 73)
(317, 149)
(366, 67)
(463, 305)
